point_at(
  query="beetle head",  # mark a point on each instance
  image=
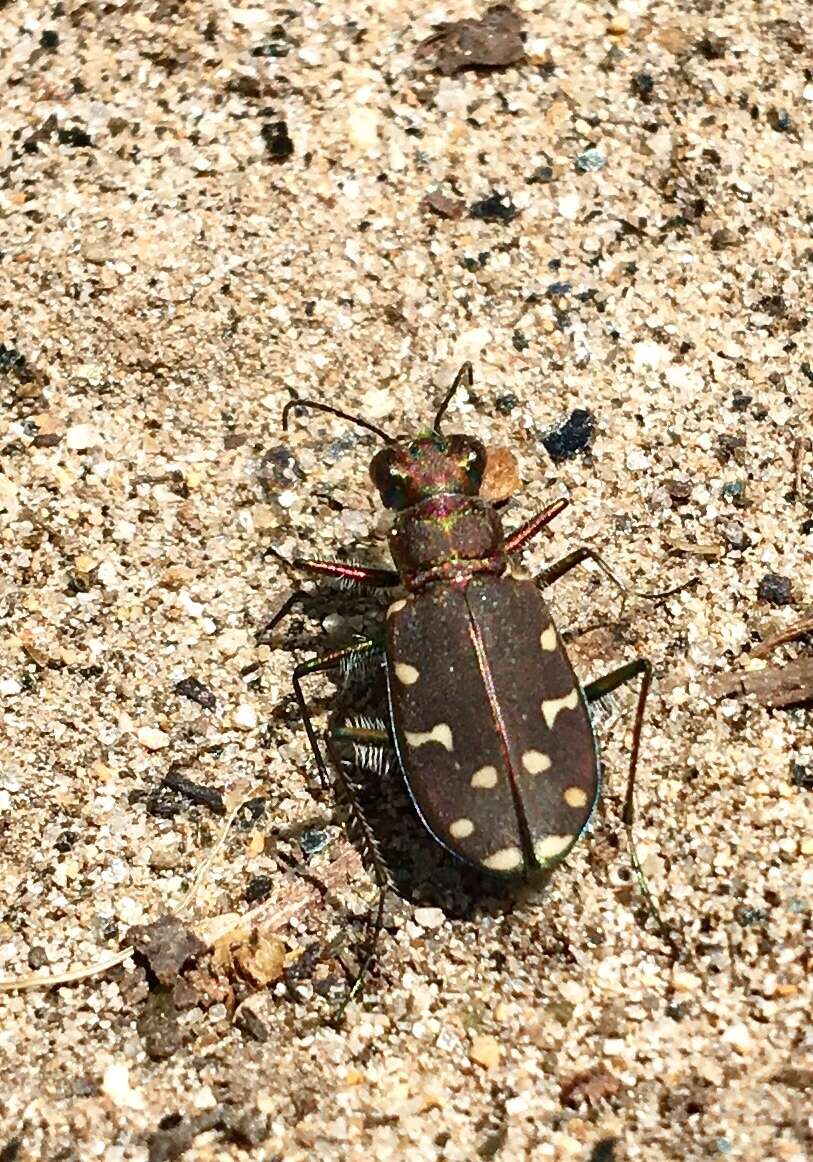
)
(409, 471)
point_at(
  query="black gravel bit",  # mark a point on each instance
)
(195, 690)
(775, 589)
(495, 208)
(278, 144)
(574, 436)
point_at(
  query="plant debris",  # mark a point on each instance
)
(773, 686)
(166, 945)
(494, 42)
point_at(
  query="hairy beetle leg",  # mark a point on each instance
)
(640, 667)
(341, 658)
(524, 533)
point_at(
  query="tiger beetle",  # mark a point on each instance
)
(489, 723)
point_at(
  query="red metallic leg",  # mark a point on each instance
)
(524, 533)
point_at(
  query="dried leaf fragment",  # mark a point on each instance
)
(492, 43)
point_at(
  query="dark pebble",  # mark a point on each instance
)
(49, 38)
(519, 341)
(251, 1026)
(806, 527)
(65, 841)
(712, 47)
(12, 362)
(505, 404)
(775, 589)
(495, 208)
(740, 401)
(37, 957)
(278, 144)
(75, 136)
(574, 436)
(540, 176)
(258, 888)
(735, 491)
(195, 690)
(643, 86)
(780, 120)
(801, 776)
(279, 468)
(724, 239)
(195, 792)
(314, 841)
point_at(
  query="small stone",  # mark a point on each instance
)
(724, 239)
(116, 1086)
(806, 846)
(152, 738)
(486, 1051)
(81, 437)
(278, 144)
(775, 589)
(619, 24)
(685, 982)
(362, 128)
(245, 717)
(591, 161)
(574, 436)
(643, 86)
(195, 690)
(496, 207)
(738, 1036)
(444, 206)
(10, 687)
(429, 917)
(568, 206)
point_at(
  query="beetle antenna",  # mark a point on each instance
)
(465, 374)
(318, 406)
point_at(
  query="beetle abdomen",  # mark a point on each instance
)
(491, 727)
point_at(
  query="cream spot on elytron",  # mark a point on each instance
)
(441, 733)
(552, 846)
(575, 797)
(547, 639)
(552, 706)
(406, 673)
(485, 777)
(535, 761)
(506, 859)
(461, 828)
(396, 606)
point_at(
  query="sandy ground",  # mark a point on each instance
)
(208, 209)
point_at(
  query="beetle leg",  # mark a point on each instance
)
(351, 574)
(585, 553)
(523, 534)
(640, 667)
(337, 659)
(333, 660)
(370, 740)
(355, 574)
